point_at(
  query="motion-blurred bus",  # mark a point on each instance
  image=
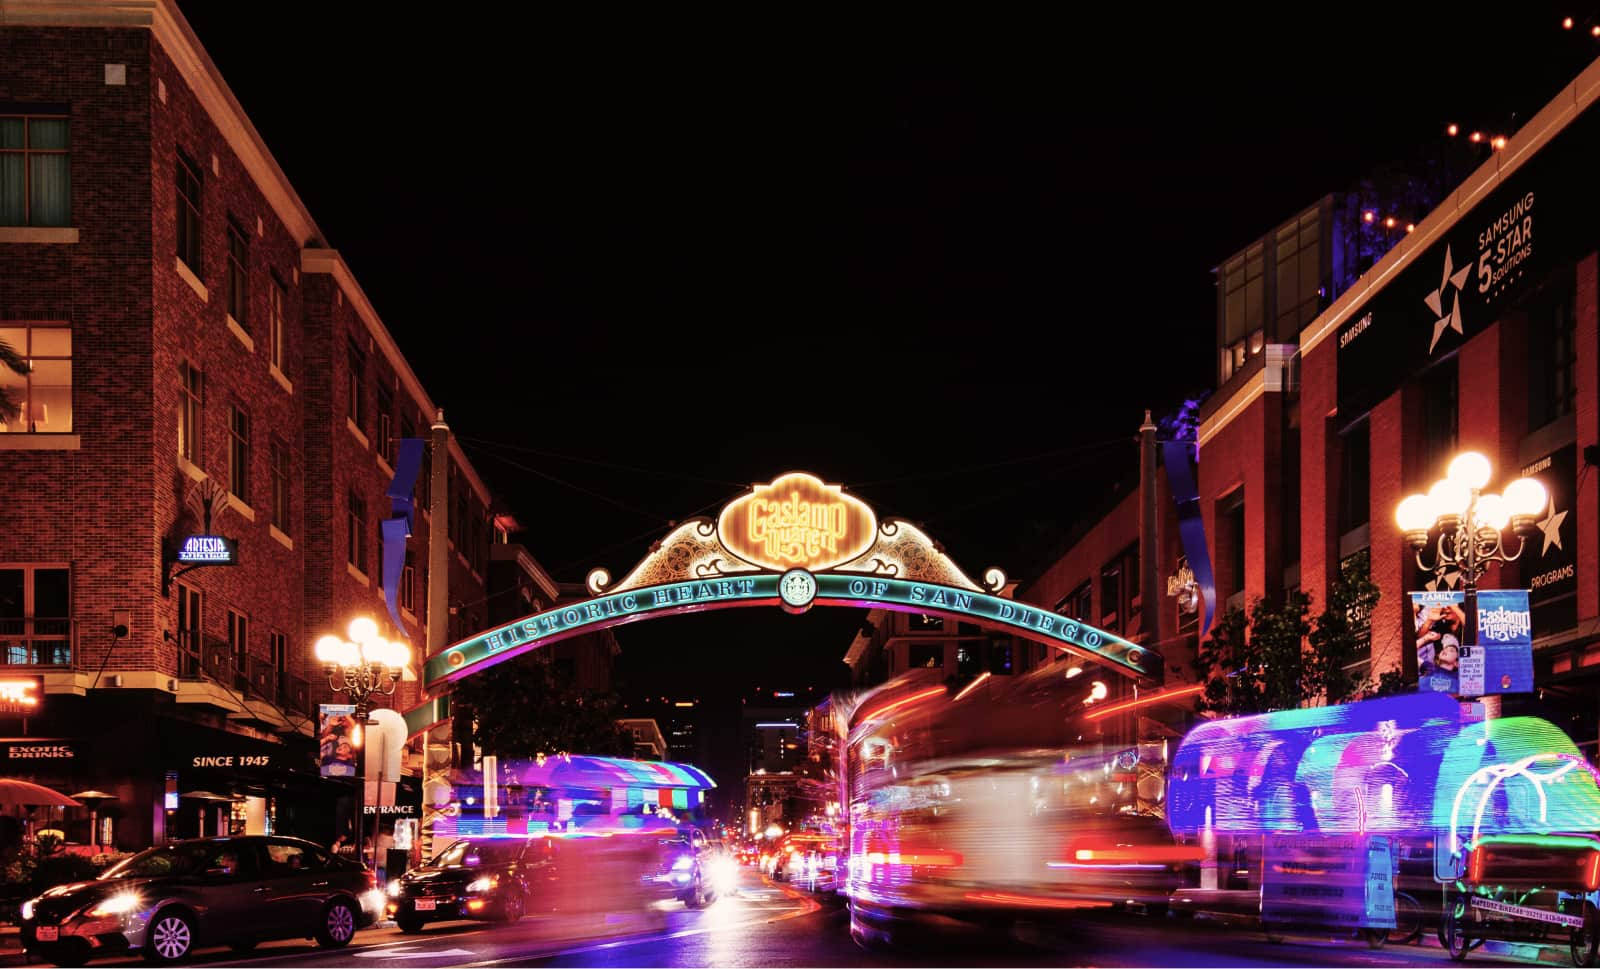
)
(1005, 799)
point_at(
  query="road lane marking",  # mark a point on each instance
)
(407, 954)
(807, 906)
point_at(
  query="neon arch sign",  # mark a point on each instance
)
(795, 542)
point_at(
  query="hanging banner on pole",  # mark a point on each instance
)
(1501, 662)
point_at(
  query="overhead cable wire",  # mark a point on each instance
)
(656, 472)
(578, 488)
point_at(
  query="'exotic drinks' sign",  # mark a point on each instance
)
(797, 521)
(208, 550)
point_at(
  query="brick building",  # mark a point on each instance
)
(1465, 336)
(195, 343)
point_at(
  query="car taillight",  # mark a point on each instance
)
(924, 857)
(1138, 854)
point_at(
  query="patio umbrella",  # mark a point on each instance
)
(94, 798)
(14, 792)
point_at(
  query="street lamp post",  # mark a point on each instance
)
(365, 666)
(1470, 525)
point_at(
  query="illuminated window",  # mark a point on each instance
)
(356, 522)
(239, 453)
(39, 401)
(238, 280)
(277, 296)
(35, 174)
(35, 615)
(925, 655)
(188, 211)
(191, 394)
(355, 388)
(280, 485)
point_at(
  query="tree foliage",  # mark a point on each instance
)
(1276, 657)
(522, 708)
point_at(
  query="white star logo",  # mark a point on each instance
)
(1551, 527)
(1435, 299)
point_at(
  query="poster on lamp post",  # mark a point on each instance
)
(337, 738)
(1502, 660)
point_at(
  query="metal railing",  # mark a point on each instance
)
(31, 641)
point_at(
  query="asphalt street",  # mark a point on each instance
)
(768, 924)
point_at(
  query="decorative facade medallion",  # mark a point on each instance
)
(797, 521)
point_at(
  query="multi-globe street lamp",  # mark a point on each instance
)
(1470, 525)
(366, 667)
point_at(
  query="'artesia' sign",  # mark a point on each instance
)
(797, 521)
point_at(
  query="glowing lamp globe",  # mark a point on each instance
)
(363, 629)
(1448, 498)
(1525, 497)
(1470, 470)
(349, 654)
(375, 650)
(1414, 514)
(1491, 512)
(327, 649)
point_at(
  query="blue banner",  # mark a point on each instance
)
(398, 528)
(1191, 526)
(1500, 662)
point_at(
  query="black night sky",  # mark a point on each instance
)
(646, 259)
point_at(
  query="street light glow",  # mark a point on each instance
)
(362, 629)
(1470, 470)
(1525, 497)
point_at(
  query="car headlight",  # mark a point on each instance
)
(683, 863)
(484, 884)
(27, 909)
(394, 888)
(115, 905)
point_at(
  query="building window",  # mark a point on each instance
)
(356, 520)
(238, 275)
(1078, 604)
(190, 619)
(356, 409)
(423, 491)
(408, 584)
(239, 453)
(1299, 276)
(385, 441)
(1553, 352)
(189, 185)
(969, 659)
(280, 486)
(1000, 659)
(39, 401)
(1355, 469)
(276, 298)
(239, 639)
(1230, 547)
(1440, 409)
(1243, 312)
(191, 398)
(35, 177)
(278, 643)
(925, 656)
(922, 622)
(35, 615)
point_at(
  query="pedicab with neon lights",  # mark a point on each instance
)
(1519, 809)
(1331, 797)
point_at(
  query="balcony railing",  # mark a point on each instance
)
(263, 678)
(294, 693)
(35, 642)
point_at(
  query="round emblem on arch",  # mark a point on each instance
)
(797, 588)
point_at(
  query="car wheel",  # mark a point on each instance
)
(243, 945)
(1585, 941)
(338, 925)
(408, 926)
(511, 909)
(695, 897)
(170, 938)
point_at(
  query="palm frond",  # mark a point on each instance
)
(11, 359)
(10, 407)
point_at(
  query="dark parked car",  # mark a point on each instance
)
(165, 902)
(683, 871)
(475, 878)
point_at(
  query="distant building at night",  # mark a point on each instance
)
(890, 642)
(1348, 397)
(648, 742)
(196, 346)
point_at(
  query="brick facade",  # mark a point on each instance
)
(113, 498)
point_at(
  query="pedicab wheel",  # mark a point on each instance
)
(1375, 937)
(1408, 920)
(1455, 928)
(1585, 941)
